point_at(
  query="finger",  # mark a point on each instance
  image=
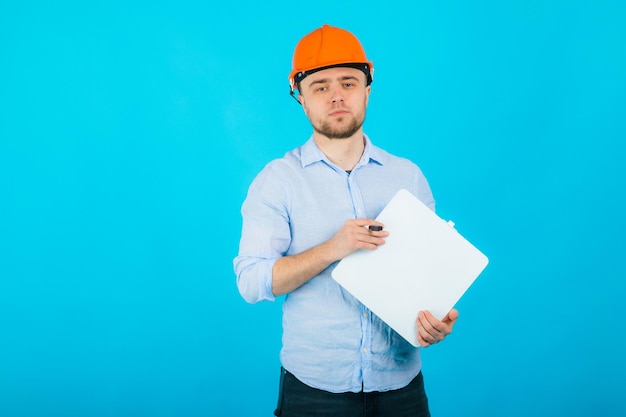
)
(429, 323)
(372, 243)
(369, 227)
(377, 233)
(429, 332)
(427, 338)
(371, 239)
(444, 326)
(422, 342)
(364, 221)
(451, 316)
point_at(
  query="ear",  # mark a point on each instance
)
(368, 90)
(303, 104)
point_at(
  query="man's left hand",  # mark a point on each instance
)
(430, 330)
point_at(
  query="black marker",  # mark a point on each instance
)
(376, 228)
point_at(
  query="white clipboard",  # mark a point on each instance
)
(425, 264)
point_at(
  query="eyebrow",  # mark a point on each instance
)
(327, 80)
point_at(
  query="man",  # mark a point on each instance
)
(308, 210)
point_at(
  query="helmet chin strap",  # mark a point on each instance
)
(293, 91)
(293, 94)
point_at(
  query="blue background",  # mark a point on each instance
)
(130, 131)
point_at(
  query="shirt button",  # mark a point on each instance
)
(364, 350)
(365, 315)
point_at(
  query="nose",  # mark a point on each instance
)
(337, 94)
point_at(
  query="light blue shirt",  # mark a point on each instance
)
(330, 340)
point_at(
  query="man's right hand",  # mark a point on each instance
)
(290, 272)
(355, 235)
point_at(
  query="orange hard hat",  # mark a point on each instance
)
(327, 47)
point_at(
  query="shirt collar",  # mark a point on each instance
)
(311, 153)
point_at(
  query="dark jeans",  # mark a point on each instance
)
(296, 399)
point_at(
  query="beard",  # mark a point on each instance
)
(340, 131)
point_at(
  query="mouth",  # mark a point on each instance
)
(338, 113)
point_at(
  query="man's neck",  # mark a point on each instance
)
(345, 153)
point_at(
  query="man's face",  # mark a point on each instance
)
(335, 100)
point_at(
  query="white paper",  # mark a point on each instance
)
(425, 264)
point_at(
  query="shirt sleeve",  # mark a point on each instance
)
(424, 194)
(265, 236)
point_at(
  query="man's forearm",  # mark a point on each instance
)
(290, 272)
